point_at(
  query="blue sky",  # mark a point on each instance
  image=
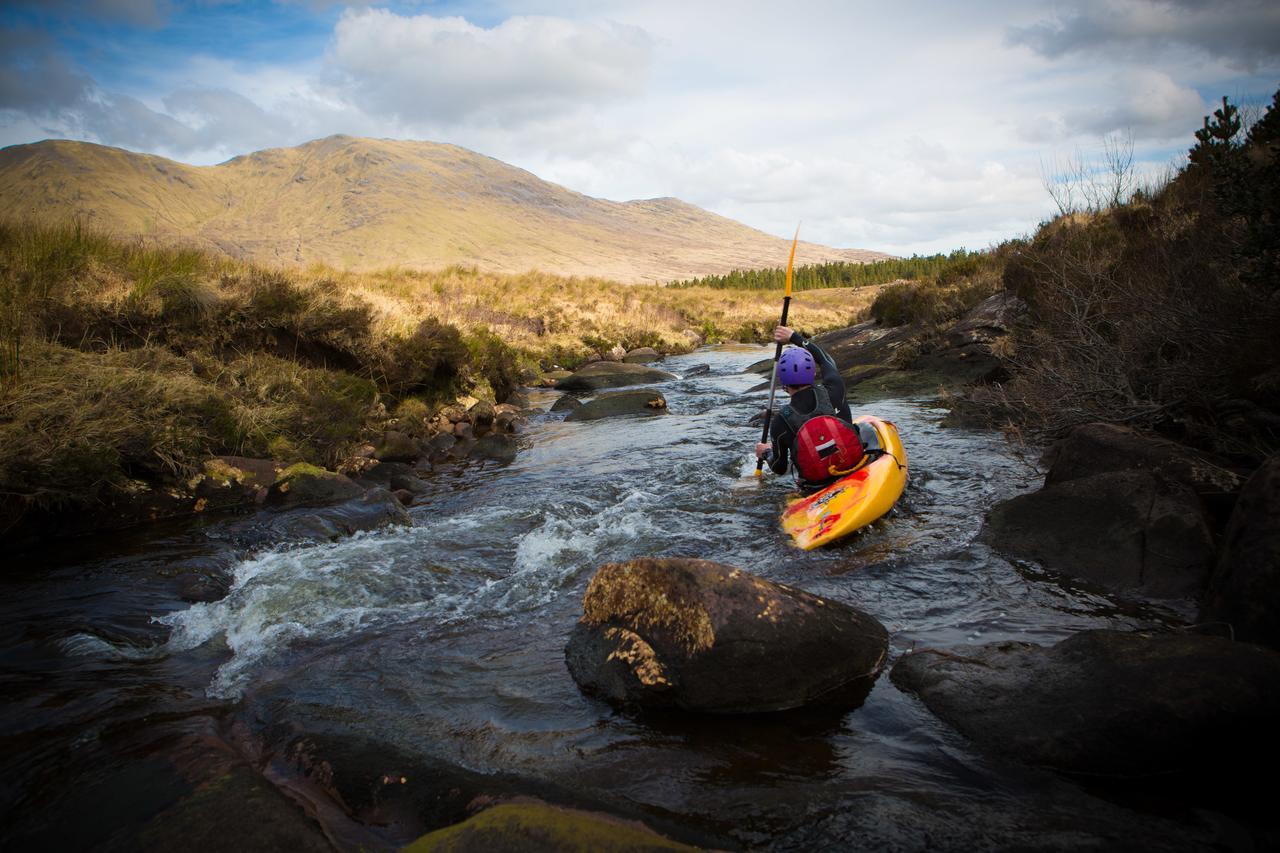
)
(910, 127)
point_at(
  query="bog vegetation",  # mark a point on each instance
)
(124, 362)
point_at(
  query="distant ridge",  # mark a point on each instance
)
(364, 204)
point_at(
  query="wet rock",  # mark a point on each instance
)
(509, 423)
(506, 409)
(1107, 703)
(230, 481)
(697, 370)
(495, 446)
(308, 485)
(620, 404)
(371, 510)
(396, 446)
(1123, 530)
(567, 403)
(604, 374)
(764, 367)
(529, 824)
(482, 414)
(404, 496)
(1097, 447)
(395, 476)
(697, 635)
(439, 445)
(1244, 590)
(642, 355)
(463, 431)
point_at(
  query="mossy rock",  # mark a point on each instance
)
(567, 403)
(620, 404)
(609, 374)
(303, 484)
(535, 827)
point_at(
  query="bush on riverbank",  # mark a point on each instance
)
(1160, 312)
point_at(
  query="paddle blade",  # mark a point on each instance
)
(791, 261)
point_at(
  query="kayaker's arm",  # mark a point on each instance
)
(778, 458)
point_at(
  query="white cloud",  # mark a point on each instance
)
(440, 70)
(1150, 104)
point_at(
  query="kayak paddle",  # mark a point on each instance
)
(777, 354)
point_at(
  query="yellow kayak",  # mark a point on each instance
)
(855, 500)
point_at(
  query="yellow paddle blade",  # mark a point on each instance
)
(791, 261)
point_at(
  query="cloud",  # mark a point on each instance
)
(1243, 33)
(442, 70)
(1150, 104)
(220, 117)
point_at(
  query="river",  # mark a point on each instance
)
(442, 645)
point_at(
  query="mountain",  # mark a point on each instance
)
(365, 204)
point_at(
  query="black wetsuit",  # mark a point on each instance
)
(805, 402)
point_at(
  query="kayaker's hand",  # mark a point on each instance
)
(782, 334)
(758, 418)
(762, 447)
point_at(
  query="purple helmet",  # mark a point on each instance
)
(796, 367)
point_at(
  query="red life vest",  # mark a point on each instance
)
(826, 446)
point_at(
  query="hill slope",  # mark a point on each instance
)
(364, 204)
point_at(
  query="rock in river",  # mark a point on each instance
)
(1108, 703)
(607, 374)
(1124, 530)
(1245, 588)
(697, 635)
(618, 404)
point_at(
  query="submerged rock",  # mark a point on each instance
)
(607, 374)
(1124, 530)
(1244, 590)
(619, 404)
(529, 824)
(1107, 703)
(697, 370)
(697, 635)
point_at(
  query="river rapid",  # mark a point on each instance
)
(442, 645)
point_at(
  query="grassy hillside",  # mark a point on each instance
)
(367, 204)
(123, 362)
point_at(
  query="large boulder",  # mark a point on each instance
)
(988, 321)
(697, 635)
(1108, 703)
(496, 446)
(608, 374)
(642, 355)
(1093, 448)
(619, 404)
(1123, 530)
(566, 403)
(1244, 590)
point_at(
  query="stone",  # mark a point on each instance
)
(620, 404)
(1093, 448)
(642, 355)
(529, 824)
(439, 445)
(701, 636)
(495, 446)
(1244, 590)
(605, 374)
(463, 431)
(1123, 530)
(482, 413)
(509, 423)
(566, 403)
(989, 320)
(763, 367)
(309, 485)
(698, 370)
(1110, 703)
(396, 446)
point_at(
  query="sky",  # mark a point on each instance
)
(907, 127)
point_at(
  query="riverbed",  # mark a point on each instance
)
(442, 645)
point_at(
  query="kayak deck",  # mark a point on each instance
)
(854, 501)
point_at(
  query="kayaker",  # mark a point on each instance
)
(798, 367)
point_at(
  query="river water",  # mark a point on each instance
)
(442, 644)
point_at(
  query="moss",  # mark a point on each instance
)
(648, 594)
(542, 827)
